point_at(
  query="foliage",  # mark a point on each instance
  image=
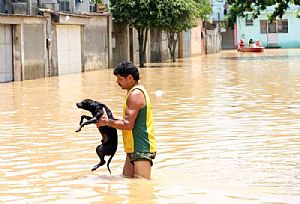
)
(254, 7)
(170, 15)
(180, 15)
(97, 1)
(138, 14)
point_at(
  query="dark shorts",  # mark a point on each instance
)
(138, 156)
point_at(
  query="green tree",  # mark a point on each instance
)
(176, 16)
(140, 14)
(254, 7)
(171, 15)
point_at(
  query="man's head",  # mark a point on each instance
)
(127, 75)
(125, 69)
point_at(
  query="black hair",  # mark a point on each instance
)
(126, 68)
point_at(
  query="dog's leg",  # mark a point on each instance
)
(94, 119)
(109, 113)
(81, 124)
(90, 121)
(98, 165)
(101, 156)
(84, 117)
(109, 160)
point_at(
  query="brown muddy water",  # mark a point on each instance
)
(227, 126)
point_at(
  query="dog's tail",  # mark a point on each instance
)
(109, 160)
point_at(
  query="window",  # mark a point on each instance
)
(263, 26)
(283, 26)
(279, 26)
(64, 5)
(272, 27)
(249, 22)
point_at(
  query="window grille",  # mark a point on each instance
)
(249, 22)
(279, 26)
(283, 26)
(272, 27)
(263, 26)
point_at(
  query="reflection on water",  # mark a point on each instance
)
(263, 57)
(227, 124)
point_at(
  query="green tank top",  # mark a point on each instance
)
(141, 138)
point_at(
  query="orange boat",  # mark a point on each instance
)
(251, 49)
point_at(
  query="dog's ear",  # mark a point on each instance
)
(87, 100)
(95, 104)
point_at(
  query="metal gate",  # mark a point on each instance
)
(6, 53)
(68, 49)
(186, 45)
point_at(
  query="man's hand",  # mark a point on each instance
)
(103, 120)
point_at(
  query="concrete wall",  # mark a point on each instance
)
(164, 47)
(95, 44)
(34, 51)
(102, 43)
(95, 40)
(213, 41)
(120, 44)
(18, 56)
(159, 50)
(134, 45)
(290, 39)
(196, 39)
(189, 43)
(155, 44)
(52, 51)
(29, 46)
(228, 39)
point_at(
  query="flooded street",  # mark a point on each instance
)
(227, 128)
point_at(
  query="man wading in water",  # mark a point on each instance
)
(136, 125)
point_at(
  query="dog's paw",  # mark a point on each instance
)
(78, 129)
(95, 167)
(98, 165)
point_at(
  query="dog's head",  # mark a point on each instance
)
(90, 105)
(94, 106)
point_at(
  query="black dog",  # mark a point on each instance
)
(109, 135)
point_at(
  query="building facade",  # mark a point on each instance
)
(281, 33)
(218, 18)
(44, 38)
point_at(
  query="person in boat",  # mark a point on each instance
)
(258, 43)
(242, 43)
(251, 43)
